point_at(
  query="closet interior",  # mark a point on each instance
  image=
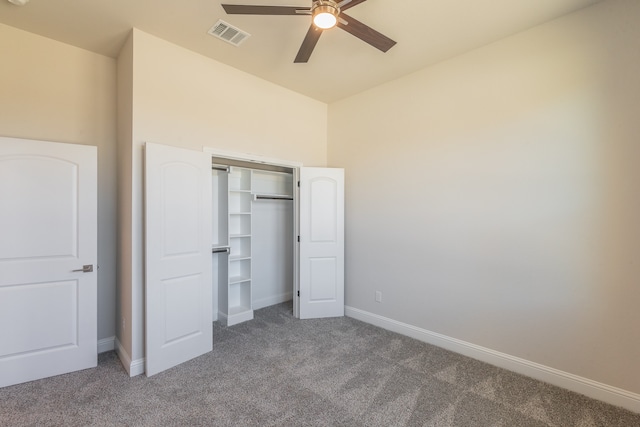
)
(252, 237)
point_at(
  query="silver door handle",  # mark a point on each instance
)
(85, 269)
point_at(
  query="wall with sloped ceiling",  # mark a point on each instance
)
(52, 91)
(183, 99)
(493, 200)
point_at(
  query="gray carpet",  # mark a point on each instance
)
(279, 371)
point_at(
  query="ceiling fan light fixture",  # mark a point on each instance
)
(325, 14)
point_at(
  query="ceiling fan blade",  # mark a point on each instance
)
(365, 33)
(241, 9)
(308, 44)
(346, 4)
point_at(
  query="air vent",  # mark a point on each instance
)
(229, 33)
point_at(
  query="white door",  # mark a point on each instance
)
(321, 243)
(178, 256)
(48, 232)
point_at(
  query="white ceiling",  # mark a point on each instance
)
(427, 31)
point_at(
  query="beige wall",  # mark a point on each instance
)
(183, 99)
(493, 198)
(55, 92)
(125, 199)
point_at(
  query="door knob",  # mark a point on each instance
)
(85, 269)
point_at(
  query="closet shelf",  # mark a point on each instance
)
(239, 236)
(239, 257)
(238, 279)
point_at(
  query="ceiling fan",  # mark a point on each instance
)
(326, 14)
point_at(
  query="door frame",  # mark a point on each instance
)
(295, 167)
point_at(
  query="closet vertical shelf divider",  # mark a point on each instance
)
(239, 307)
(220, 237)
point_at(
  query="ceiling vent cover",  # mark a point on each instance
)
(229, 33)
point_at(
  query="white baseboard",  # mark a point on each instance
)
(106, 344)
(596, 390)
(234, 319)
(133, 368)
(137, 367)
(271, 300)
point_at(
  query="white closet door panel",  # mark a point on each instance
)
(180, 225)
(51, 307)
(48, 224)
(324, 211)
(324, 281)
(46, 200)
(178, 256)
(180, 296)
(321, 242)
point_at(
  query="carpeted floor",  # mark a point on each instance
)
(279, 371)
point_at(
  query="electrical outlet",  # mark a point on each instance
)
(378, 296)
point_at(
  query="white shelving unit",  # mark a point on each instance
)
(272, 183)
(236, 306)
(253, 241)
(220, 234)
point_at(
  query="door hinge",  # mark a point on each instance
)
(298, 183)
(298, 293)
(298, 239)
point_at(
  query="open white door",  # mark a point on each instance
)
(321, 243)
(178, 256)
(48, 255)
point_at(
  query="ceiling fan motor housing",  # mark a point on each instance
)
(326, 3)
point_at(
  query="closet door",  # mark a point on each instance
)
(178, 256)
(321, 243)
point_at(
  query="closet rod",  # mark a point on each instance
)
(221, 168)
(263, 197)
(219, 250)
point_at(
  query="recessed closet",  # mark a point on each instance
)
(228, 234)
(252, 238)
